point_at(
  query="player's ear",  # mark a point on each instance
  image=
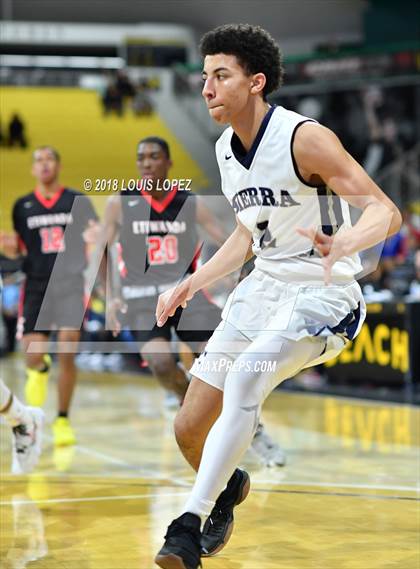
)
(258, 82)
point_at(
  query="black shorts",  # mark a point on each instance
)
(193, 325)
(45, 308)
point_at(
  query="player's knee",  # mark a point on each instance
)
(68, 341)
(68, 335)
(162, 366)
(34, 360)
(185, 432)
(243, 388)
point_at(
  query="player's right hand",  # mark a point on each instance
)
(171, 299)
(116, 306)
(9, 244)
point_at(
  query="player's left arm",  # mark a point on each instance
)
(321, 158)
(92, 228)
(209, 223)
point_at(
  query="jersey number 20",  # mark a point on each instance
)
(162, 250)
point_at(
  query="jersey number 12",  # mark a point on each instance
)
(52, 239)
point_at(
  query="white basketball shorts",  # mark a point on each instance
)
(266, 313)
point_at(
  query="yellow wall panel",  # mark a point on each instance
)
(91, 145)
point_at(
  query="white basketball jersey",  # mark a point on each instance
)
(272, 200)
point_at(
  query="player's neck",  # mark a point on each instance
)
(48, 190)
(247, 124)
(159, 191)
(157, 194)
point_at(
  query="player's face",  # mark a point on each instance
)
(152, 162)
(45, 166)
(227, 88)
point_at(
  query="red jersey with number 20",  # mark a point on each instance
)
(158, 238)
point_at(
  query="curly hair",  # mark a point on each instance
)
(254, 48)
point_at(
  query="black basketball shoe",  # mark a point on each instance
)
(219, 525)
(182, 548)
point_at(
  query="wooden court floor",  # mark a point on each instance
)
(346, 499)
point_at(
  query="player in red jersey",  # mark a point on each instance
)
(51, 230)
(158, 236)
(158, 242)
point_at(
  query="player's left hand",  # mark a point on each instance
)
(171, 299)
(113, 309)
(92, 232)
(330, 247)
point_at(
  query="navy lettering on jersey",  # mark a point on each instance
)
(287, 200)
(268, 197)
(261, 196)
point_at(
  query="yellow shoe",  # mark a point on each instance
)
(63, 457)
(37, 384)
(63, 432)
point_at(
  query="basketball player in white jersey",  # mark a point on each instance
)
(282, 173)
(26, 424)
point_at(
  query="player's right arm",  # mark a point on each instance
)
(11, 245)
(236, 251)
(231, 256)
(109, 270)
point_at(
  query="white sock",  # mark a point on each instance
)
(198, 506)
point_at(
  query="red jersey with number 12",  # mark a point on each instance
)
(41, 225)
